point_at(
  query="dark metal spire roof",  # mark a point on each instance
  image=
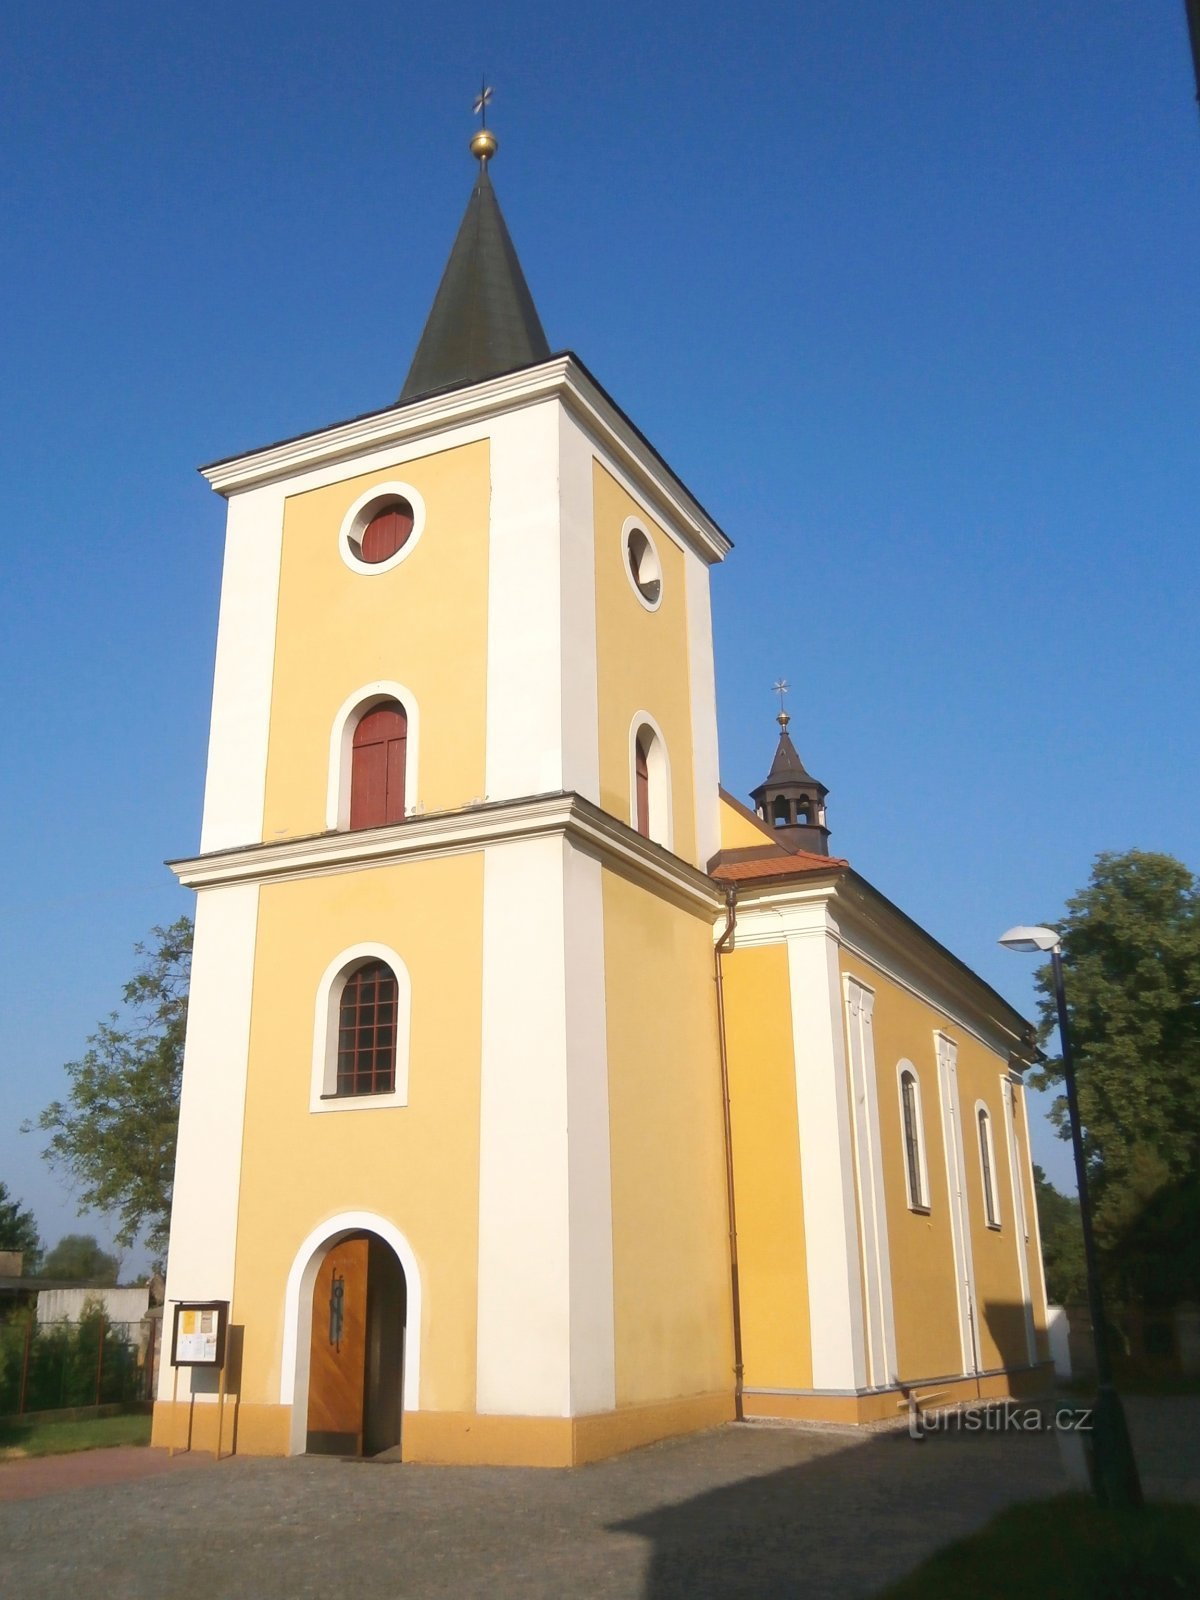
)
(483, 321)
(787, 763)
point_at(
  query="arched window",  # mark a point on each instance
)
(649, 781)
(641, 780)
(916, 1176)
(377, 766)
(367, 1024)
(987, 1162)
(779, 814)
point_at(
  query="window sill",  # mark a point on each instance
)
(919, 1211)
(358, 1102)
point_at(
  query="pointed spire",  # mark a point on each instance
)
(483, 321)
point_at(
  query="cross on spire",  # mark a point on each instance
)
(483, 100)
(781, 687)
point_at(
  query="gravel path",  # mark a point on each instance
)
(739, 1511)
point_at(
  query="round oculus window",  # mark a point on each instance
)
(642, 565)
(382, 527)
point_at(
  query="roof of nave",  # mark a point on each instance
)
(728, 868)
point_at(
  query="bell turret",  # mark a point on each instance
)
(791, 801)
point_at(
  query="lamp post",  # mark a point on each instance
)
(1114, 1470)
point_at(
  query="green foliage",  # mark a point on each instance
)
(18, 1439)
(1131, 954)
(79, 1256)
(115, 1133)
(1062, 1242)
(65, 1362)
(1067, 1549)
(18, 1230)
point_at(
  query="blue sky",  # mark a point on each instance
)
(906, 294)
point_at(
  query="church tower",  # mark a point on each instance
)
(450, 1138)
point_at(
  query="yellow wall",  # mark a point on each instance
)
(737, 832)
(776, 1335)
(417, 1165)
(921, 1246)
(642, 662)
(670, 1233)
(423, 624)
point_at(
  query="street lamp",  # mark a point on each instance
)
(1114, 1470)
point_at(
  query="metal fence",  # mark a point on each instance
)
(61, 1365)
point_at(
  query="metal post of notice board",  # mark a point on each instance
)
(198, 1339)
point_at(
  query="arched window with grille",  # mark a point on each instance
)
(361, 1031)
(916, 1174)
(367, 1029)
(377, 766)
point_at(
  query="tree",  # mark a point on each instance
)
(18, 1230)
(115, 1133)
(1131, 951)
(79, 1256)
(1062, 1242)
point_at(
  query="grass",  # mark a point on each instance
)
(1067, 1549)
(21, 1439)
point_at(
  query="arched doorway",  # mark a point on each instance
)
(356, 1349)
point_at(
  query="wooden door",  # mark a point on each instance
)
(337, 1357)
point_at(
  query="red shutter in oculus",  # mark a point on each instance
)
(377, 767)
(387, 532)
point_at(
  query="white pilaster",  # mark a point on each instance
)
(826, 1155)
(241, 704)
(524, 644)
(1016, 1165)
(593, 1337)
(580, 694)
(523, 1360)
(200, 1260)
(872, 1198)
(702, 677)
(960, 1216)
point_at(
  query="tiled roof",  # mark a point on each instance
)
(791, 864)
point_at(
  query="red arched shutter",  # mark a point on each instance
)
(387, 531)
(377, 767)
(641, 789)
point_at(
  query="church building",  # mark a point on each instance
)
(542, 1099)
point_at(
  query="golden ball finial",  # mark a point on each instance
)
(484, 144)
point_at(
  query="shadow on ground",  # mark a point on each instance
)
(846, 1524)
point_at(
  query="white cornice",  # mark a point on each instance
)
(456, 833)
(561, 378)
(866, 924)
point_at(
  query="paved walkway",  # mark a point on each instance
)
(749, 1511)
(88, 1469)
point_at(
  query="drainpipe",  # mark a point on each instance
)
(723, 944)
